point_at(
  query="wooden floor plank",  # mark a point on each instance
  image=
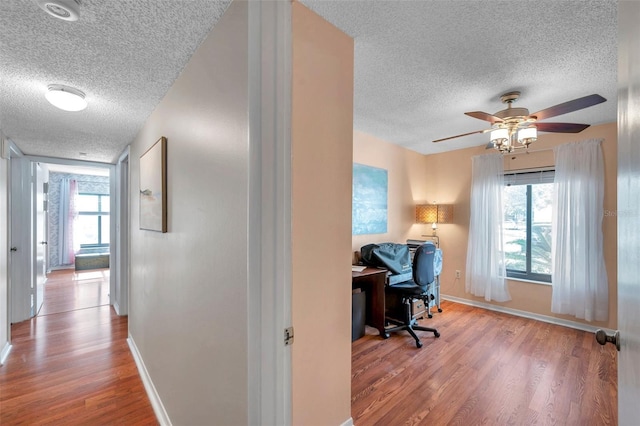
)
(71, 365)
(486, 368)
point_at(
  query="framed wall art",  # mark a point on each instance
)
(369, 214)
(153, 187)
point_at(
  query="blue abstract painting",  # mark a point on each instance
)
(369, 214)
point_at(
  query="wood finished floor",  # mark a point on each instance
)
(487, 368)
(74, 368)
(68, 290)
(71, 365)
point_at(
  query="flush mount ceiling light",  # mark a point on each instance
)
(65, 97)
(68, 10)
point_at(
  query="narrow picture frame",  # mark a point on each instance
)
(153, 187)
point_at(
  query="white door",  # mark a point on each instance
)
(20, 245)
(629, 212)
(40, 240)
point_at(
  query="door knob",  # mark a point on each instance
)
(43, 243)
(14, 248)
(602, 337)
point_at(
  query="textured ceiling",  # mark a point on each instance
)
(419, 65)
(123, 54)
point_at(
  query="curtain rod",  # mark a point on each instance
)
(531, 151)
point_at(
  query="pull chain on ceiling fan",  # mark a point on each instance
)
(514, 128)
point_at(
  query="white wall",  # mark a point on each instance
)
(188, 291)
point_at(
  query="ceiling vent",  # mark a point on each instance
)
(68, 10)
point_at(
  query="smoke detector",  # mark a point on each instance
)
(68, 10)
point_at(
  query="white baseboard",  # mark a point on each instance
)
(525, 314)
(5, 352)
(348, 422)
(61, 268)
(154, 398)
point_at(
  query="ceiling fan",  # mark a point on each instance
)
(514, 128)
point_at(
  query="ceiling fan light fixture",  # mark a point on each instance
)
(499, 136)
(66, 98)
(527, 135)
(67, 10)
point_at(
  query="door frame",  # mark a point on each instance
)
(120, 223)
(269, 215)
(10, 151)
(26, 231)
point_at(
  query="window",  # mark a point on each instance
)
(527, 204)
(92, 226)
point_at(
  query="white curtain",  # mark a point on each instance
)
(66, 219)
(485, 256)
(579, 276)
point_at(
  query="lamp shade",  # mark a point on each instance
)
(527, 135)
(445, 213)
(434, 213)
(499, 136)
(427, 213)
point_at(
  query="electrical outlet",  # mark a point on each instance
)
(457, 273)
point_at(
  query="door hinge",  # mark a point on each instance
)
(288, 336)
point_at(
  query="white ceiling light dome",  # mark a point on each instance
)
(65, 97)
(68, 10)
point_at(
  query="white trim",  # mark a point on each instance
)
(68, 161)
(527, 281)
(9, 148)
(120, 234)
(269, 213)
(525, 314)
(61, 268)
(348, 422)
(152, 393)
(5, 353)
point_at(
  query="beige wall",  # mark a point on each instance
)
(322, 125)
(408, 180)
(530, 297)
(188, 291)
(446, 178)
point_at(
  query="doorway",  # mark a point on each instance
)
(75, 242)
(78, 235)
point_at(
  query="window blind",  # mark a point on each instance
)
(527, 177)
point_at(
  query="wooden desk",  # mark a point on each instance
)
(372, 282)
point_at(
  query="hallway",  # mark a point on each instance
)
(71, 364)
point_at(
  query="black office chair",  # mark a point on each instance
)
(407, 291)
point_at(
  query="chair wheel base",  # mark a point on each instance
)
(439, 310)
(418, 344)
(436, 334)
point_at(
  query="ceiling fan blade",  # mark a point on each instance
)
(561, 127)
(459, 136)
(484, 116)
(569, 106)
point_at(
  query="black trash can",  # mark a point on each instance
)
(358, 313)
